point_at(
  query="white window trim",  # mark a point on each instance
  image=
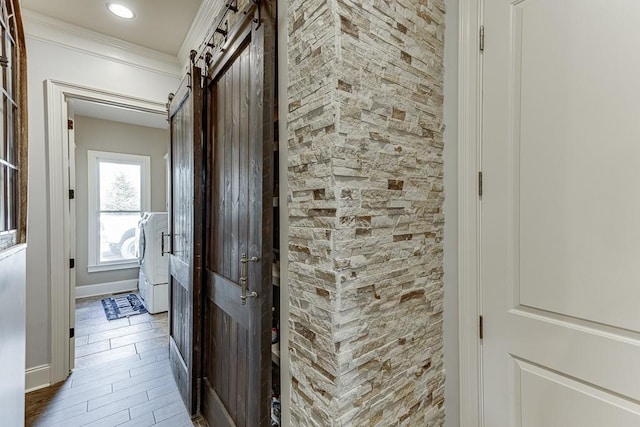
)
(94, 265)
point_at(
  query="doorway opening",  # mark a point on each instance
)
(63, 98)
(117, 173)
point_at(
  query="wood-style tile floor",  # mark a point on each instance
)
(121, 377)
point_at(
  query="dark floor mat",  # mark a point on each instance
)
(120, 306)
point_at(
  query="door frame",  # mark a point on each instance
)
(469, 163)
(73, 226)
(57, 95)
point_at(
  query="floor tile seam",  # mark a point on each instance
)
(87, 345)
(68, 390)
(110, 349)
(56, 402)
(120, 399)
(116, 410)
(121, 329)
(110, 415)
(150, 403)
(169, 390)
(54, 416)
(150, 380)
(178, 403)
(152, 335)
(88, 377)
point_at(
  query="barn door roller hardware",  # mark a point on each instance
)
(216, 27)
(258, 19)
(232, 6)
(224, 32)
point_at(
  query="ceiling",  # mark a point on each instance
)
(159, 24)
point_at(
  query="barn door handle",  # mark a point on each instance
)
(243, 277)
(162, 251)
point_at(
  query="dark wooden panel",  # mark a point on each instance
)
(233, 369)
(262, 65)
(182, 183)
(180, 320)
(226, 373)
(213, 409)
(243, 366)
(197, 283)
(181, 271)
(228, 141)
(234, 256)
(217, 313)
(178, 367)
(223, 391)
(243, 208)
(185, 221)
(218, 207)
(230, 184)
(212, 338)
(240, 149)
(226, 294)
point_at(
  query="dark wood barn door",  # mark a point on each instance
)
(238, 236)
(185, 229)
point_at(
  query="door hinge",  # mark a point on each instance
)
(480, 184)
(72, 332)
(70, 124)
(72, 263)
(481, 327)
(72, 194)
(481, 38)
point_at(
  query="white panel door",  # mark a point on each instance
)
(560, 213)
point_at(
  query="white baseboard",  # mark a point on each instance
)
(37, 378)
(106, 288)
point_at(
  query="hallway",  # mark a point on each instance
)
(122, 376)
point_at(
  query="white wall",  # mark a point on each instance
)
(53, 61)
(12, 307)
(115, 137)
(452, 389)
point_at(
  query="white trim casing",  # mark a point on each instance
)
(106, 288)
(93, 232)
(59, 245)
(51, 30)
(37, 378)
(469, 162)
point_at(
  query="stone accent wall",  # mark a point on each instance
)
(366, 223)
(313, 203)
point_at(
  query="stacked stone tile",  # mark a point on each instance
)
(365, 207)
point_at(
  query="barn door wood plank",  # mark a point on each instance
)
(185, 222)
(240, 157)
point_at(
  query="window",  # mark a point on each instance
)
(119, 192)
(11, 135)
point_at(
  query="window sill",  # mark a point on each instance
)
(115, 266)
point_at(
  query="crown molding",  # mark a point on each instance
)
(45, 28)
(203, 21)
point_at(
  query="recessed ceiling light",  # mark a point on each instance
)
(120, 10)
